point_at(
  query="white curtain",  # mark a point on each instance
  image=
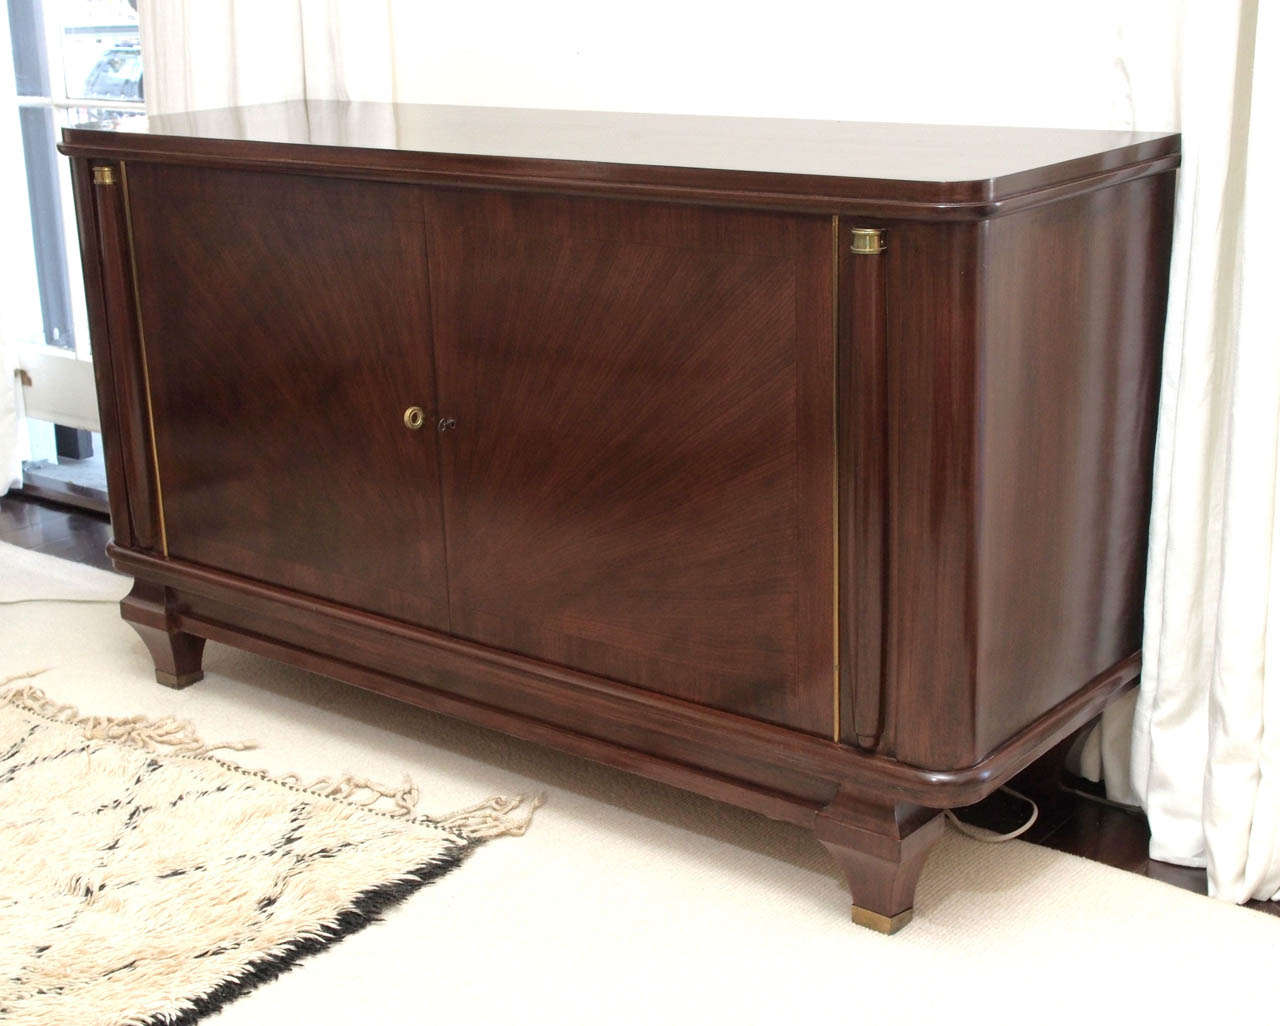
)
(1206, 754)
(1203, 762)
(200, 54)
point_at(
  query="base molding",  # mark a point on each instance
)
(876, 816)
(792, 774)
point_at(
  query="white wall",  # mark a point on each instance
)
(998, 61)
(987, 61)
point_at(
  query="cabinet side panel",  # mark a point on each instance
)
(1073, 319)
(863, 444)
(104, 375)
(123, 337)
(930, 327)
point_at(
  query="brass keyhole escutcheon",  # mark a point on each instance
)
(414, 418)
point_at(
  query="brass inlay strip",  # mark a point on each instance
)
(835, 475)
(142, 345)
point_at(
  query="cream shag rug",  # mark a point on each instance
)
(144, 880)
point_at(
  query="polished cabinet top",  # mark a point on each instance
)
(835, 161)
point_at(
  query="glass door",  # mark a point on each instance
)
(72, 61)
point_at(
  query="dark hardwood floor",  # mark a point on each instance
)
(1085, 824)
(1089, 826)
(1075, 817)
(1071, 820)
(57, 530)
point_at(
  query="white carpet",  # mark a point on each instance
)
(629, 902)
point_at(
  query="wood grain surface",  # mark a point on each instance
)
(701, 492)
(639, 481)
(287, 332)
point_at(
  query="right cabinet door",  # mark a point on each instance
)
(639, 484)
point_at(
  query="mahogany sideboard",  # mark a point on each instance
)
(804, 465)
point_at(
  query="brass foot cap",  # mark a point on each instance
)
(879, 922)
(178, 680)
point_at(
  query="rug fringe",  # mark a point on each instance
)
(497, 816)
(362, 792)
(166, 734)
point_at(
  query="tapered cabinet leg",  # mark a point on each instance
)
(177, 655)
(881, 849)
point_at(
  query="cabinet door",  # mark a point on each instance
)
(640, 481)
(286, 331)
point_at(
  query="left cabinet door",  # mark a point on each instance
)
(285, 331)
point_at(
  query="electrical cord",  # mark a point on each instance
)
(990, 836)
